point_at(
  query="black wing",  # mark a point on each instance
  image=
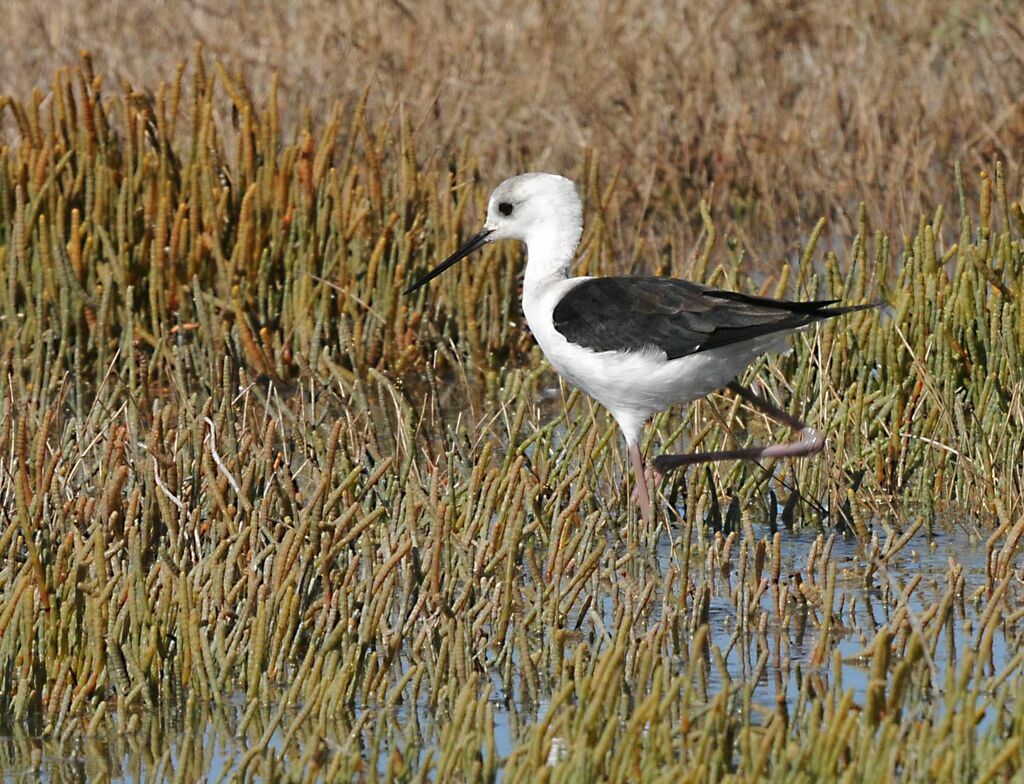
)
(676, 316)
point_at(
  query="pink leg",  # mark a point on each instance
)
(643, 495)
(810, 440)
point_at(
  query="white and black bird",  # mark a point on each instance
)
(638, 345)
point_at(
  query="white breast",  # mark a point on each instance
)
(634, 385)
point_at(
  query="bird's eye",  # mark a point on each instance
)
(505, 208)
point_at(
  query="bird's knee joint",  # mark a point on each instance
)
(814, 439)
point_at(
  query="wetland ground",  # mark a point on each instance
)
(263, 517)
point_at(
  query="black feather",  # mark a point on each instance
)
(676, 316)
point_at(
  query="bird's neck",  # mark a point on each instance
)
(549, 255)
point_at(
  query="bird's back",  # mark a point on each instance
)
(675, 316)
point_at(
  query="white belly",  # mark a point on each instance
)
(635, 385)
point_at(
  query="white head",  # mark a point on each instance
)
(542, 210)
(523, 205)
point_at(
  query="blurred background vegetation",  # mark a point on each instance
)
(791, 110)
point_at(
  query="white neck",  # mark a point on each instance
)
(549, 253)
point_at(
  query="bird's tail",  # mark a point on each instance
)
(823, 310)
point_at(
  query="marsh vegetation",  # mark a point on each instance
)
(263, 516)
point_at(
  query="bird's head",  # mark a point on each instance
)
(533, 206)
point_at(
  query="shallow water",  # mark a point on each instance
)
(194, 740)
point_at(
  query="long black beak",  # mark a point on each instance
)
(474, 243)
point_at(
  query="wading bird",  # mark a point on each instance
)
(638, 345)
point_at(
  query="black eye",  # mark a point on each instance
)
(505, 208)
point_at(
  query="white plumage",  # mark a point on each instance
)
(636, 345)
